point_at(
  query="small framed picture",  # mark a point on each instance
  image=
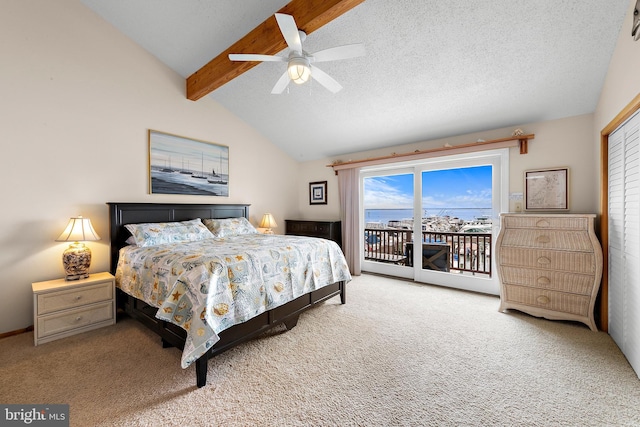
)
(546, 189)
(318, 193)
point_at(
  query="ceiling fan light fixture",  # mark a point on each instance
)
(299, 70)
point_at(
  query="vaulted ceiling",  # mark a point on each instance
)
(433, 68)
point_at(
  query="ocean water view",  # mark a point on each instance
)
(385, 215)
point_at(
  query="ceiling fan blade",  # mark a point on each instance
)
(325, 80)
(256, 57)
(289, 31)
(281, 84)
(339, 52)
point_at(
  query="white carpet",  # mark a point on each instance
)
(397, 353)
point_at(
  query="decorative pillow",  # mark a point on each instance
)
(158, 233)
(229, 226)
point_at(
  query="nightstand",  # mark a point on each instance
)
(62, 308)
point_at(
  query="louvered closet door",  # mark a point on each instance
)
(624, 239)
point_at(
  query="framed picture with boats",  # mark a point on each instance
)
(179, 165)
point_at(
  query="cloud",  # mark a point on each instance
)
(385, 193)
(380, 193)
(467, 199)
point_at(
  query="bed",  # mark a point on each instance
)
(203, 336)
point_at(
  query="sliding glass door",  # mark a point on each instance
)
(436, 220)
(388, 212)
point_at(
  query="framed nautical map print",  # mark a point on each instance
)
(318, 193)
(179, 165)
(546, 189)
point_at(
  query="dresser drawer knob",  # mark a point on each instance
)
(544, 260)
(78, 297)
(79, 318)
(543, 280)
(542, 299)
(543, 239)
(542, 223)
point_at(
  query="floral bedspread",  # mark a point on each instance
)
(210, 285)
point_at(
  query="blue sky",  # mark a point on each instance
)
(450, 188)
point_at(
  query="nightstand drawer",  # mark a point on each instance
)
(75, 319)
(76, 297)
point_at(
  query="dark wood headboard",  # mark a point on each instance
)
(136, 213)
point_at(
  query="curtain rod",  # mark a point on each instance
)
(513, 141)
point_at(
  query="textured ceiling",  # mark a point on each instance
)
(433, 68)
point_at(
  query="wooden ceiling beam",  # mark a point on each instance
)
(265, 39)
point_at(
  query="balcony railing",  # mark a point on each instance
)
(463, 252)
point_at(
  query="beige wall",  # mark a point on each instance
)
(77, 99)
(564, 142)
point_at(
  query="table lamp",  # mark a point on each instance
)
(268, 222)
(77, 257)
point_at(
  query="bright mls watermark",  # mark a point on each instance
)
(34, 415)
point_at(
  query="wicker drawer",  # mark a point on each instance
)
(548, 239)
(578, 262)
(548, 279)
(542, 222)
(548, 300)
(60, 300)
(75, 319)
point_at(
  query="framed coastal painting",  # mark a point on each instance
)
(546, 189)
(179, 165)
(318, 193)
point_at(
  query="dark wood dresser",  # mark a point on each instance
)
(325, 229)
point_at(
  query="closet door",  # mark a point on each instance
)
(624, 239)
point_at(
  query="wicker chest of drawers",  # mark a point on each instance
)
(549, 265)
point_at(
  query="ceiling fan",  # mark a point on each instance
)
(299, 68)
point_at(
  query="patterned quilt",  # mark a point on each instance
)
(210, 285)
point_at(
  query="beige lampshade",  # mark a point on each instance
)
(77, 258)
(78, 229)
(268, 222)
